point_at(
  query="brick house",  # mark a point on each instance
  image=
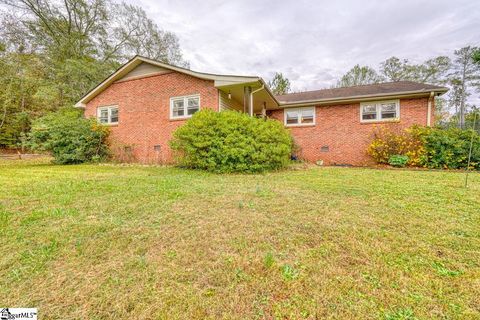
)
(145, 100)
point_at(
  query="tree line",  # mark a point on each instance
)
(54, 51)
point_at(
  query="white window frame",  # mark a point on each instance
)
(109, 109)
(378, 114)
(185, 106)
(299, 110)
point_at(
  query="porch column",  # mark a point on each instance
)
(247, 100)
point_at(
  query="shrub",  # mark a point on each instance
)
(448, 149)
(69, 137)
(429, 147)
(389, 142)
(230, 141)
(398, 160)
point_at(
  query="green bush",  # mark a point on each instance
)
(449, 148)
(230, 141)
(398, 160)
(434, 148)
(69, 137)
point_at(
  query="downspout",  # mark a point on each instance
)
(251, 98)
(429, 110)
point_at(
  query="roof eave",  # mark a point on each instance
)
(135, 61)
(403, 94)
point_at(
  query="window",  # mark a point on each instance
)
(184, 107)
(300, 116)
(379, 111)
(108, 115)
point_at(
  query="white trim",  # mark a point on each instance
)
(219, 80)
(298, 110)
(379, 96)
(185, 106)
(378, 112)
(109, 112)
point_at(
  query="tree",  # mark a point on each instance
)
(359, 76)
(279, 84)
(464, 75)
(431, 71)
(23, 95)
(54, 51)
(456, 94)
(136, 34)
(476, 56)
(394, 69)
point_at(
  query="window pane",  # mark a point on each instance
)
(307, 116)
(178, 108)
(389, 115)
(369, 112)
(192, 106)
(388, 110)
(369, 108)
(114, 115)
(292, 117)
(388, 106)
(103, 115)
(369, 116)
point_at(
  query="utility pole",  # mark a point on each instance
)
(461, 122)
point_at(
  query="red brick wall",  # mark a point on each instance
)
(144, 112)
(339, 128)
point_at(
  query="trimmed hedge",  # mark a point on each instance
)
(230, 141)
(69, 137)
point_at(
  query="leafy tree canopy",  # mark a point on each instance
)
(54, 51)
(359, 75)
(279, 84)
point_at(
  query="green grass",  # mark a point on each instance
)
(134, 242)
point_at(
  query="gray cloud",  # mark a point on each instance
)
(313, 42)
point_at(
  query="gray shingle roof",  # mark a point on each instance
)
(378, 89)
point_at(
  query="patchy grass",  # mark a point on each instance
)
(106, 241)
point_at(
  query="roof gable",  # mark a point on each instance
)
(144, 70)
(147, 66)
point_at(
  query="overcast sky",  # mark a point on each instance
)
(313, 42)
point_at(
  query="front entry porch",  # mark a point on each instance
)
(253, 98)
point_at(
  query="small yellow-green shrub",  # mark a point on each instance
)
(389, 142)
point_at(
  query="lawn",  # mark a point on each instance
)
(134, 242)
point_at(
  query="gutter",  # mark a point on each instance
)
(358, 98)
(429, 109)
(251, 98)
